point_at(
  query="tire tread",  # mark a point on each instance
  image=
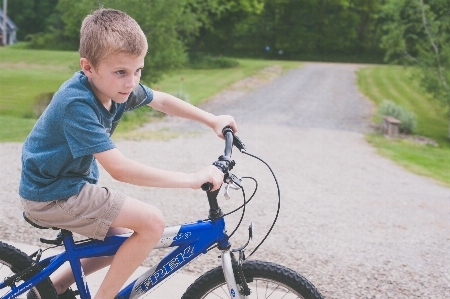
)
(260, 269)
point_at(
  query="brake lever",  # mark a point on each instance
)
(232, 182)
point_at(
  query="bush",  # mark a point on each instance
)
(51, 41)
(407, 118)
(41, 102)
(202, 61)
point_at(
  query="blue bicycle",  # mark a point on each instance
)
(238, 277)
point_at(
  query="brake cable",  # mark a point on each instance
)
(279, 203)
(245, 202)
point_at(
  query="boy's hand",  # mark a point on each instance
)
(208, 174)
(220, 122)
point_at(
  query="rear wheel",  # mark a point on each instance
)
(263, 278)
(12, 260)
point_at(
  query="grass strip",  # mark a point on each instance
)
(426, 160)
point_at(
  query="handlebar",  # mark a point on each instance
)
(224, 164)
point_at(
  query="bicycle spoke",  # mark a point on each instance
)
(222, 289)
(261, 289)
(268, 289)
(286, 294)
(273, 291)
(257, 296)
(225, 290)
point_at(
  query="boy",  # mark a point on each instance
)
(59, 170)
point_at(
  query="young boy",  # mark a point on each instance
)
(59, 173)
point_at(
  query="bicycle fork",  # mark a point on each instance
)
(242, 292)
(228, 272)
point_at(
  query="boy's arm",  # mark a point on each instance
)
(129, 171)
(171, 105)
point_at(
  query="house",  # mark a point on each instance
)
(11, 30)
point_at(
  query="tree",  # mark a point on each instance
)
(30, 16)
(168, 25)
(307, 28)
(417, 32)
(219, 32)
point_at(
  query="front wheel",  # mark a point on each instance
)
(263, 278)
(12, 260)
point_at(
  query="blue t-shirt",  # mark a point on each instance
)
(57, 156)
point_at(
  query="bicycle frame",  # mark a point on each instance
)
(191, 240)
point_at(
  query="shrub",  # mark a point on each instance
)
(41, 102)
(201, 61)
(407, 118)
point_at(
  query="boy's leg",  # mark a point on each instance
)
(63, 278)
(147, 222)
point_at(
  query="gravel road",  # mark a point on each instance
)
(352, 222)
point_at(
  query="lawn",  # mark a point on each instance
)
(399, 85)
(27, 73)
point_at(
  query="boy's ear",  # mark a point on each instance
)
(86, 67)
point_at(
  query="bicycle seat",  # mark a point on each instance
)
(31, 222)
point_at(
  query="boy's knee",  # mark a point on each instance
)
(158, 221)
(155, 222)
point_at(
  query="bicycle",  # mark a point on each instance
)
(237, 278)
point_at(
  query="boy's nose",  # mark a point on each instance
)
(130, 82)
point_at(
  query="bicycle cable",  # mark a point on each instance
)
(279, 203)
(242, 215)
(245, 202)
(251, 197)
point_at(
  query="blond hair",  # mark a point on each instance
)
(109, 31)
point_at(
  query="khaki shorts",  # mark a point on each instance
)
(88, 213)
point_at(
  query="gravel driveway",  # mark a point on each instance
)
(352, 222)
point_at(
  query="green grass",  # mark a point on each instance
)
(400, 86)
(46, 59)
(27, 73)
(425, 160)
(15, 129)
(19, 87)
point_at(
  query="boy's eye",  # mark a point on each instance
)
(121, 72)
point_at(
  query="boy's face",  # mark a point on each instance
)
(115, 77)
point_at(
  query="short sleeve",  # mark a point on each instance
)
(140, 96)
(84, 132)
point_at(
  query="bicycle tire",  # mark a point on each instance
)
(12, 260)
(264, 279)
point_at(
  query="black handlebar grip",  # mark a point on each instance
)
(228, 145)
(227, 129)
(207, 186)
